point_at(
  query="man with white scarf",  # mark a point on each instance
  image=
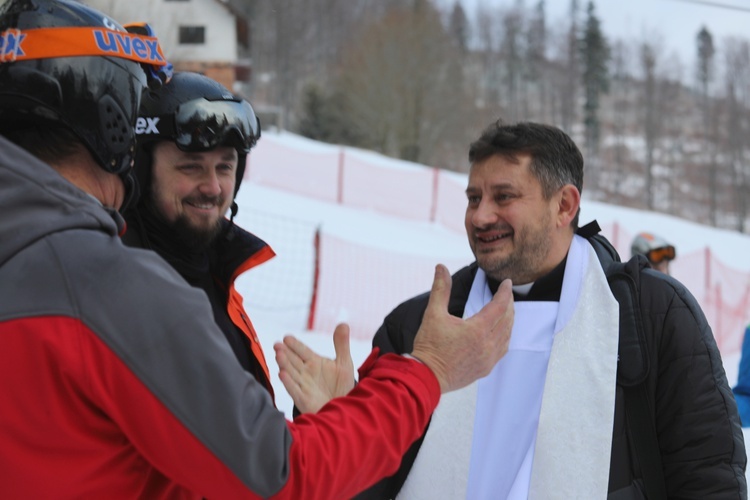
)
(549, 421)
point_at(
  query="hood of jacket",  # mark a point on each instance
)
(36, 201)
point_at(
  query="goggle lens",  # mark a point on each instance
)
(202, 124)
(658, 255)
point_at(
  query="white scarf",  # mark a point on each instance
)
(571, 455)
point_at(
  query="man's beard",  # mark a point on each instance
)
(193, 237)
(184, 231)
(524, 263)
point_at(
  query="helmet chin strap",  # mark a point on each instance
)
(132, 191)
(233, 208)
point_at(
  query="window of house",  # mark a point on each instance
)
(192, 34)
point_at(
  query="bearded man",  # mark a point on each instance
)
(193, 139)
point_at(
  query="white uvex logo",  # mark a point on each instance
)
(146, 125)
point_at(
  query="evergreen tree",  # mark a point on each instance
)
(312, 123)
(536, 43)
(536, 61)
(705, 74)
(459, 27)
(511, 51)
(324, 117)
(595, 56)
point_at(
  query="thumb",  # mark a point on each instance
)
(500, 310)
(341, 342)
(441, 290)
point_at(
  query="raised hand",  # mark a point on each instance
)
(461, 351)
(310, 379)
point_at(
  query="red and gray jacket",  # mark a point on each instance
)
(116, 382)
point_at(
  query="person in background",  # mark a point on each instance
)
(742, 389)
(117, 383)
(193, 137)
(559, 416)
(658, 252)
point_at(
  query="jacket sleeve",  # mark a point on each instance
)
(250, 450)
(163, 371)
(701, 442)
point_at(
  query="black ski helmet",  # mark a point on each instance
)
(94, 92)
(197, 114)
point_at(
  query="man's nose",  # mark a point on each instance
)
(210, 184)
(484, 215)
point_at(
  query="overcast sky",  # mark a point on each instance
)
(676, 22)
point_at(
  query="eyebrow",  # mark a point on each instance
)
(494, 187)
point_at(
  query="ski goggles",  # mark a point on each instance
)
(658, 255)
(49, 43)
(202, 124)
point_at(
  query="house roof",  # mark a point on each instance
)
(237, 7)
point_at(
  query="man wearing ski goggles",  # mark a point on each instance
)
(658, 252)
(193, 139)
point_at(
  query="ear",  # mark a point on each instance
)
(568, 202)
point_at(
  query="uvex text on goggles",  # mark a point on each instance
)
(203, 124)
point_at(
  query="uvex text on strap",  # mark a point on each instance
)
(45, 43)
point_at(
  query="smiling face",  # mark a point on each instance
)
(513, 230)
(193, 190)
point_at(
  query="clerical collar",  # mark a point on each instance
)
(547, 288)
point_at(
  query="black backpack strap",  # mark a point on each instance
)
(632, 371)
(645, 441)
(633, 361)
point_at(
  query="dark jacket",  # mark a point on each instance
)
(700, 439)
(214, 270)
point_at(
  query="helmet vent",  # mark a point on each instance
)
(117, 132)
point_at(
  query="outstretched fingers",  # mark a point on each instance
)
(299, 349)
(288, 357)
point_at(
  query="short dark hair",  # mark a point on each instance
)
(555, 158)
(49, 143)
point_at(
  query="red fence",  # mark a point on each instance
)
(361, 284)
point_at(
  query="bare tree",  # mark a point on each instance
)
(404, 87)
(737, 81)
(570, 84)
(622, 86)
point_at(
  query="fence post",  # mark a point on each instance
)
(316, 278)
(435, 185)
(340, 193)
(615, 235)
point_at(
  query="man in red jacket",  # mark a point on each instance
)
(117, 383)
